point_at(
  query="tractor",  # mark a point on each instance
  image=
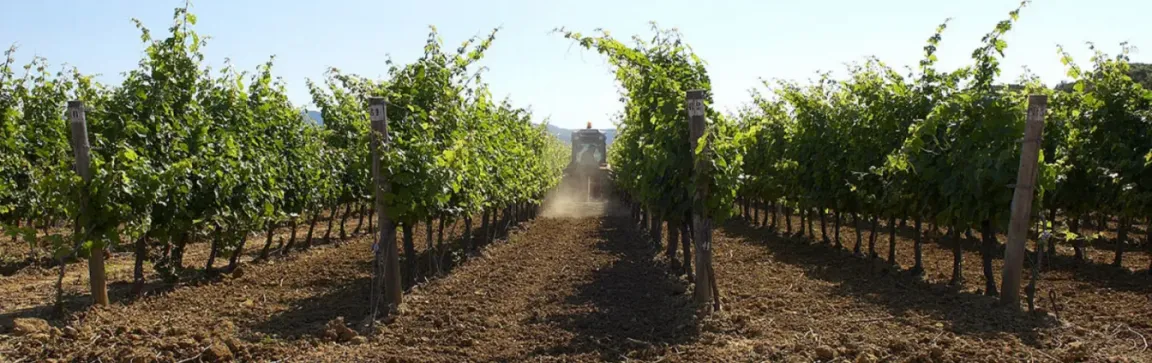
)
(587, 172)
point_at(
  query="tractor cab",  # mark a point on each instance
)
(589, 149)
(588, 168)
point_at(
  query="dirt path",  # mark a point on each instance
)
(581, 289)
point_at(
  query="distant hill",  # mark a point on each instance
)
(562, 133)
(566, 134)
(315, 115)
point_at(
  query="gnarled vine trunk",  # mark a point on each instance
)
(1052, 241)
(371, 219)
(836, 233)
(686, 244)
(755, 212)
(957, 256)
(872, 238)
(644, 220)
(439, 245)
(824, 227)
(918, 247)
(859, 236)
(409, 254)
(468, 245)
(788, 220)
(234, 260)
(138, 268)
(774, 207)
(217, 235)
(177, 258)
(431, 247)
(344, 220)
(331, 218)
(484, 226)
(746, 214)
(360, 218)
(892, 239)
(801, 213)
(988, 234)
(656, 229)
(268, 233)
(811, 222)
(1148, 241)
(673, 241)
(311, 228)
(292, 224)
(1121, 239)
(1078, 240)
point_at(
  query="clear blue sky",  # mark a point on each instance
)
(743, 41)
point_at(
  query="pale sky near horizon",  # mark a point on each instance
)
(742, 41)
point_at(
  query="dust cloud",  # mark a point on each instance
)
(573, 203)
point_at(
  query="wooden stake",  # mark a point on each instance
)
(1022, 201)
(702, 224)
(387, 271)
(80, 148)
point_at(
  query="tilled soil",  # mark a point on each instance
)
(788, 298)
(31, 291)
(591, 288)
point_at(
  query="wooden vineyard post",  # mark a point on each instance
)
(1022, 201)
(386, 273)
(97, 280)
(701, 223)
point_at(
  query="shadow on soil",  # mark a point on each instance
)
(308, 317)
(877, 283)
(12, 266)
(118, 293)
(72, 302)
(124, 292)
(1101, 274)
(637, 307)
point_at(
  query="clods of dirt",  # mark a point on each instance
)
(336, 330)
(29, 326)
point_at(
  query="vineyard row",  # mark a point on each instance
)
(946, 147)
(179, 152)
